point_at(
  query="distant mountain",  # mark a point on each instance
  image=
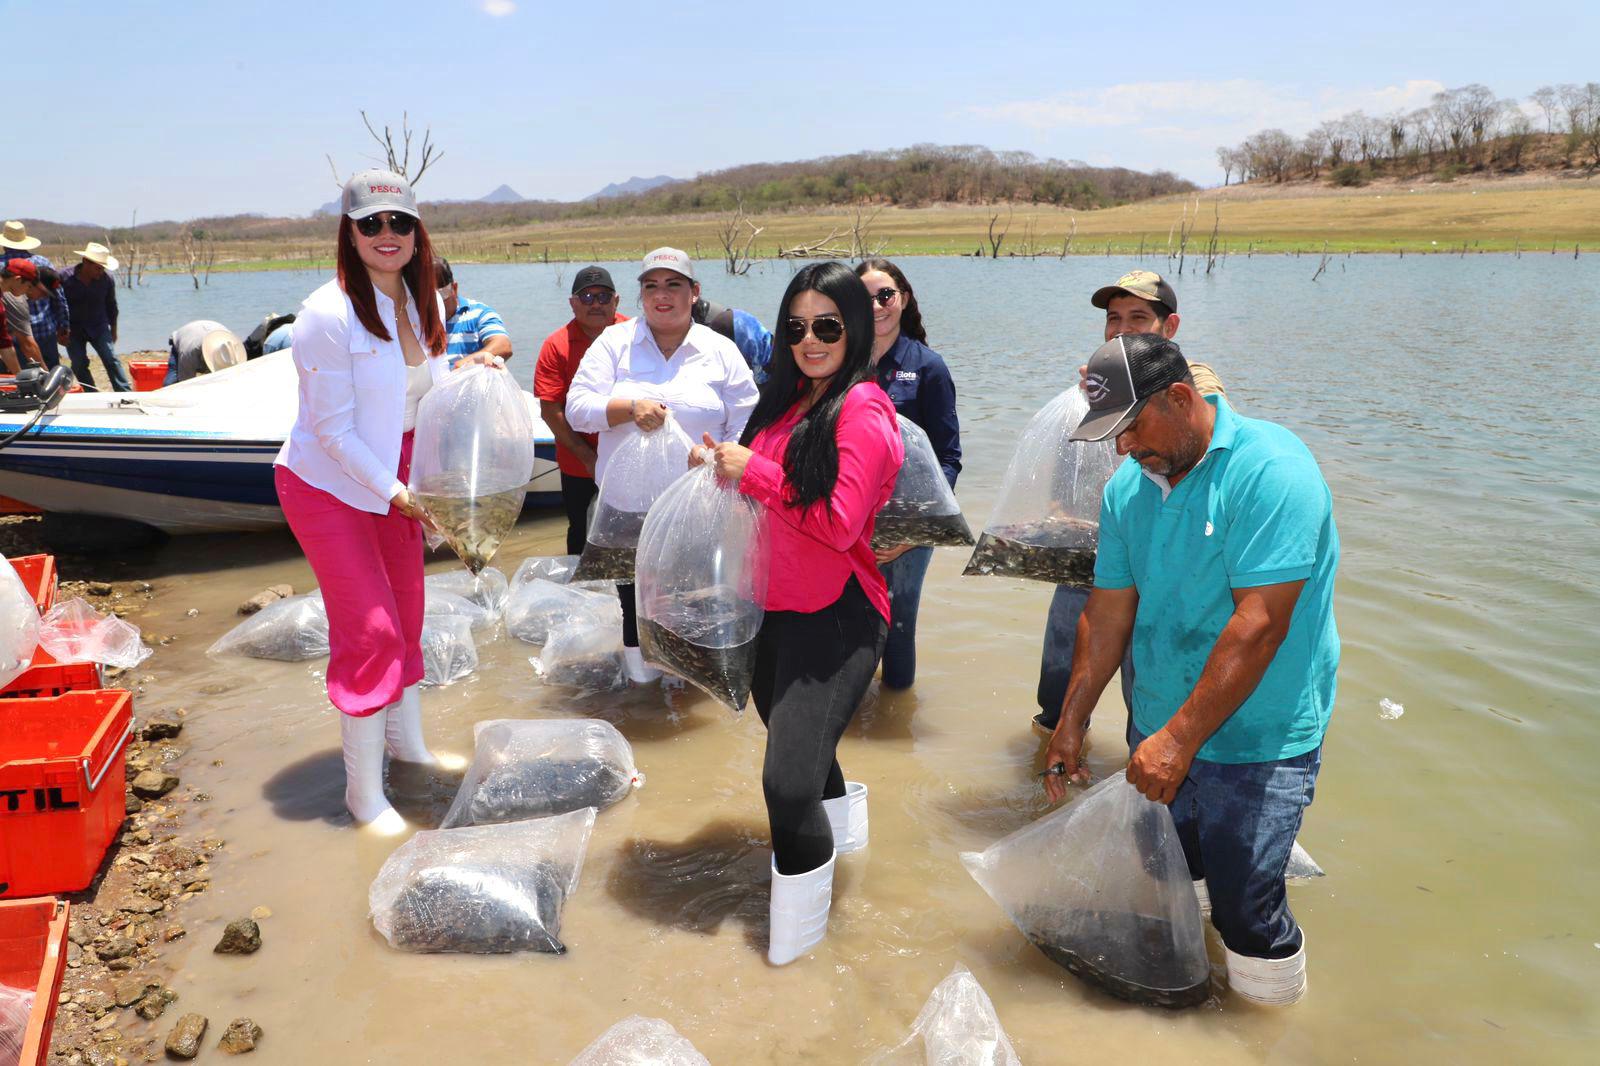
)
(505, 194)
(632, 185)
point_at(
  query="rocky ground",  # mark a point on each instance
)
(123, 925)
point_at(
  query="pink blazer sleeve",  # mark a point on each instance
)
(870, 454)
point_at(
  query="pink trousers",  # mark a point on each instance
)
(370, 570)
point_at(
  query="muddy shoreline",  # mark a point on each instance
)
(122, 992)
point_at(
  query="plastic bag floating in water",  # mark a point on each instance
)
(638, 472)
(585, 653)
(1301, 866)
(471, 460)
(482, 889)
(19, 624)
(958, 1026)
(702, 584)
(1046, 520)
(640, 1041)
(441, 604)
(539, 608)
(532, 769)
(488, 588)
(1102, 888)
(923, 510)
(448, 650)
(291, 630)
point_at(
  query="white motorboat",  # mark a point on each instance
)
(195, 457)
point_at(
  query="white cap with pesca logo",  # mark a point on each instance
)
(372, 191)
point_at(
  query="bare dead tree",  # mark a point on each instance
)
(860, 231)
(1216, 225)
(210, 258)
(824, 248)
(1072, 232)
(1322, 265)
(191, 255)
(737, 234)
(996, 242)
(397, 155)
(400, 159)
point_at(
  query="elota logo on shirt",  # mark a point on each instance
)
(905, 375)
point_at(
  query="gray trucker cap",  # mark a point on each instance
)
(372, 191)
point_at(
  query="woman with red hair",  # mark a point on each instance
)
(367, 347)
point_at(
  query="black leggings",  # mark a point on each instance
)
(811, 672)
(576, 492)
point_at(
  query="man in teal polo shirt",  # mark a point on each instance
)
(1216, 560)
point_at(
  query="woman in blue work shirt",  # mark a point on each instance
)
(919, 385)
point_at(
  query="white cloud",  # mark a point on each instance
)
(499, 8)
(1202, 109)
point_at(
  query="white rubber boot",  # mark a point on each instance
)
(402, 731)
(798, 916)
(639, 671)
(1270, 982)
(1203, 894)
(363, 773)
(848, 817)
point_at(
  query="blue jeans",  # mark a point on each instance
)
(905, 576)
(47, 349)
(77, 351)
(1055, 663)
(1237, 823)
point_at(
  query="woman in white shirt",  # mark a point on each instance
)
(638, 371)
(367, 347)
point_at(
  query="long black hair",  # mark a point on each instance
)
(911, 314)
(811, 463)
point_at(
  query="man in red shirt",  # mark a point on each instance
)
(594, 307)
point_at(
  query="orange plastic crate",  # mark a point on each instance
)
(62, 780)
(148, 374)
(38, 574)
(46, 677)
(33, 954)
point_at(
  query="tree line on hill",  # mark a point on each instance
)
(1462, 129)
(916, 176)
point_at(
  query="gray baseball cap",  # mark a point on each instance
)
(372, 191)
(674, 259)
(1122, 375)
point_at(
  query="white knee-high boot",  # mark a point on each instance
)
(363, 773)
(639, 671)
(1270, 982)
(847, 815)
(402, 731)
(798, 915)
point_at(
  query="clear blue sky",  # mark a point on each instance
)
(182, 109)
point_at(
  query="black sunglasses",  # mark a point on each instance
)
(885, 296)
(399, 225)
(826, 330)
(589, 299)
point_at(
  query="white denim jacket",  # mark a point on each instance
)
(346, 436)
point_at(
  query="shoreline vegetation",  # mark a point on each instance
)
(1531, 213)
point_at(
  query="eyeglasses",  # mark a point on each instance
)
(589, 299)
(827, 330)
(399, 225)
(885, 296)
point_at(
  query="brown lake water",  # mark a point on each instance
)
(1451, 405)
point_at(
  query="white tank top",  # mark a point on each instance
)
(419, 379)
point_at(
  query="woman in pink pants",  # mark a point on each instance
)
(367, 347)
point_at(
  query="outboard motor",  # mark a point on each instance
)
(37, 389)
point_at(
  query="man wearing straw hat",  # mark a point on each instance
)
(47, 316)
(92, 301)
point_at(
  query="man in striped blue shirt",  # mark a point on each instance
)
(471, 328)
